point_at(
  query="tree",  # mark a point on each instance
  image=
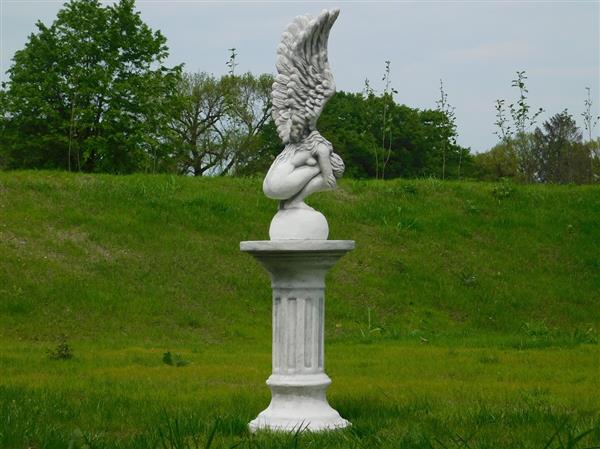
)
(514, 135)
(352, 123)
(386, 124)
(248, 113)
(231, 64)
(562, 157)
(221, 124)
(495, 164)
(447, 128)
(591, 148)
(198, 144)
(522, 119)
(589, 123)
(4, 162)
(349, 121)
(90, 93)
(554, 153)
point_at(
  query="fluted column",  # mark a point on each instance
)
(298, 381)
(298, 331)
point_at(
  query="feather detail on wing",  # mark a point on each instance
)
(304, 81)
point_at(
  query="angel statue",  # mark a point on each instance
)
(303, 85)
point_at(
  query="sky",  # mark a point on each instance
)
(475, 47)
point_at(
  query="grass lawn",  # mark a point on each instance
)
(467, 316)
(396, 393)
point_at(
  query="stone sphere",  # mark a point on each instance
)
(299, 224)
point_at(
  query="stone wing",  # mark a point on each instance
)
(304, 81)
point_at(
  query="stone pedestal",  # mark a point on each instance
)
(298, 382)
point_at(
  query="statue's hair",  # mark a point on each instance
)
(310, 144)
(337, 164)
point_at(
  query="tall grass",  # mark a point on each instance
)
(466, 317)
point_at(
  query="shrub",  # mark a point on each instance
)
(62, 351)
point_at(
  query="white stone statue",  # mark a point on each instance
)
(298, 256)
(307, 164)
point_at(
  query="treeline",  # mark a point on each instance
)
(91, 93)
(556, 152)
(379, 138)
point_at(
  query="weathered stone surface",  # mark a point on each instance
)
(301, 89)
(299, 255)
(298, 381)
(298, 224)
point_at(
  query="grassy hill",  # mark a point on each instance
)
(467, 316)
(159, 256)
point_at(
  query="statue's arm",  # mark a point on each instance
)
(323, 154)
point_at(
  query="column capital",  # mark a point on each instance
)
(297, 263)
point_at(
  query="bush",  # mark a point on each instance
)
(173, 359)
(62, 351)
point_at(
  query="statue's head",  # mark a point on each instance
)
(313, 141)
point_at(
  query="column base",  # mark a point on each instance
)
(298, 402)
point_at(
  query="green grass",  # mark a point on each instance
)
(468, 315)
